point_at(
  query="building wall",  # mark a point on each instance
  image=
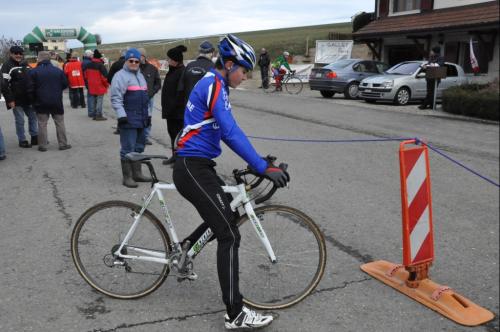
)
(442, 40)
(455, 3)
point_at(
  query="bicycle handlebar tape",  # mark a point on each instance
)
(412, 278)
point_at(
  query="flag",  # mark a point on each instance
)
(473, 61)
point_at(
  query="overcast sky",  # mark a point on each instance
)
(118, 21)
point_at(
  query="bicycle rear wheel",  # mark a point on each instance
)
(293, 85)
(97, 235)
(300, 250)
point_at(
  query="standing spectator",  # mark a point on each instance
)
(96, 76)
(86, 60)
(74, 73)
(2, 144)
(195, 70)
(435, 60)
(15, 89)
(48, 83)
(116, 66)
(172, 102)
(264, 62)
(129, 99)
(54, 59)
(152, 76)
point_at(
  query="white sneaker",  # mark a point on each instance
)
(247, 319)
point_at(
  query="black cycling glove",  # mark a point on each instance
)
(277, 175)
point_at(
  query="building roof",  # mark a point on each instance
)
(436, 20)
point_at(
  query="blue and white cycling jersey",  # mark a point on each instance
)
(208, 120)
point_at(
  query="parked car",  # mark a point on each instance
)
(405, 82)
(343, 76)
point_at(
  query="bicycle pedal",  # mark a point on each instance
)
(191, 277)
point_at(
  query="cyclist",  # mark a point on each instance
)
(277, 68)
(207, 121)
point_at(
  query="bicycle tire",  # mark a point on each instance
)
(290, 232)
(293, 85)
(85, 239)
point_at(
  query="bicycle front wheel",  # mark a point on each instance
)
(300, 252)
(293, 85)
(98, 234)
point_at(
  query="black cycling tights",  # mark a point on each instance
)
(197, 181)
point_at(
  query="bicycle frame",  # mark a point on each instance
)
(161, 257)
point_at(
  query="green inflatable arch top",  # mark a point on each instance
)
(40, 35)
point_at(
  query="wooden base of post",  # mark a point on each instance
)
(420, 288)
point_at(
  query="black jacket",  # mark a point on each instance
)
(152, 76)
(193, 72)
(16, 83)
(115, 67)
(48, 83)
(172, 100)
(264, 60)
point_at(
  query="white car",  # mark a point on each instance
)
(405, 82)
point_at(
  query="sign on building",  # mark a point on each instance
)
(328, 51)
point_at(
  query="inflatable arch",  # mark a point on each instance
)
(40, 35)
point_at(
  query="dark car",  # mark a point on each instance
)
(344, 76)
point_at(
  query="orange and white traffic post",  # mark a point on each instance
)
(412, 278)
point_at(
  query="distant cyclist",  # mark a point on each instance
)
(277, 67)
(208, 119)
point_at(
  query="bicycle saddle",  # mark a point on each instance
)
(136, 156)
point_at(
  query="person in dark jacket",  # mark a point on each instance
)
(96, 75)
(195, 70)
(152, 76)
(2, 144)
(116, 66)
(435, 60)
(15, 88)
(172, 101)
(129, 99)
(48, 83)
(264, 62)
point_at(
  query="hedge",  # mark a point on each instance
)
(473, 100)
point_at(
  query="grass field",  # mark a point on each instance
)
(275, 41)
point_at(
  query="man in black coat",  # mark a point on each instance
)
(435, 60)
(153, 80)
(116, 66)
(195, 70)
(48, 83)
(15, 88)
(2, 144)
(172, 100)
(264, 62)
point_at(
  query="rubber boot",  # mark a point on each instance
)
(128, 180)
(137, 173)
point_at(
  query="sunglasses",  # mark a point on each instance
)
(133, 61)
(18, 53)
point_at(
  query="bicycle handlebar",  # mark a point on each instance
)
(239, 175)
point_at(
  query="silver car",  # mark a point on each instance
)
(405, 82)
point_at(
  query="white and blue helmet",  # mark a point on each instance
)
(234, 49)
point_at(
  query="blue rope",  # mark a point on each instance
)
(456, 162)
(417, 141)
(331, 141)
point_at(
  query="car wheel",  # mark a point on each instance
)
(371, 101)
(351, 90)
(402, 96)
(327, 94)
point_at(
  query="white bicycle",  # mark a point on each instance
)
(122, 250)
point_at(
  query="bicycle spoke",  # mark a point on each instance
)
(99, 232)
(300, 256)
